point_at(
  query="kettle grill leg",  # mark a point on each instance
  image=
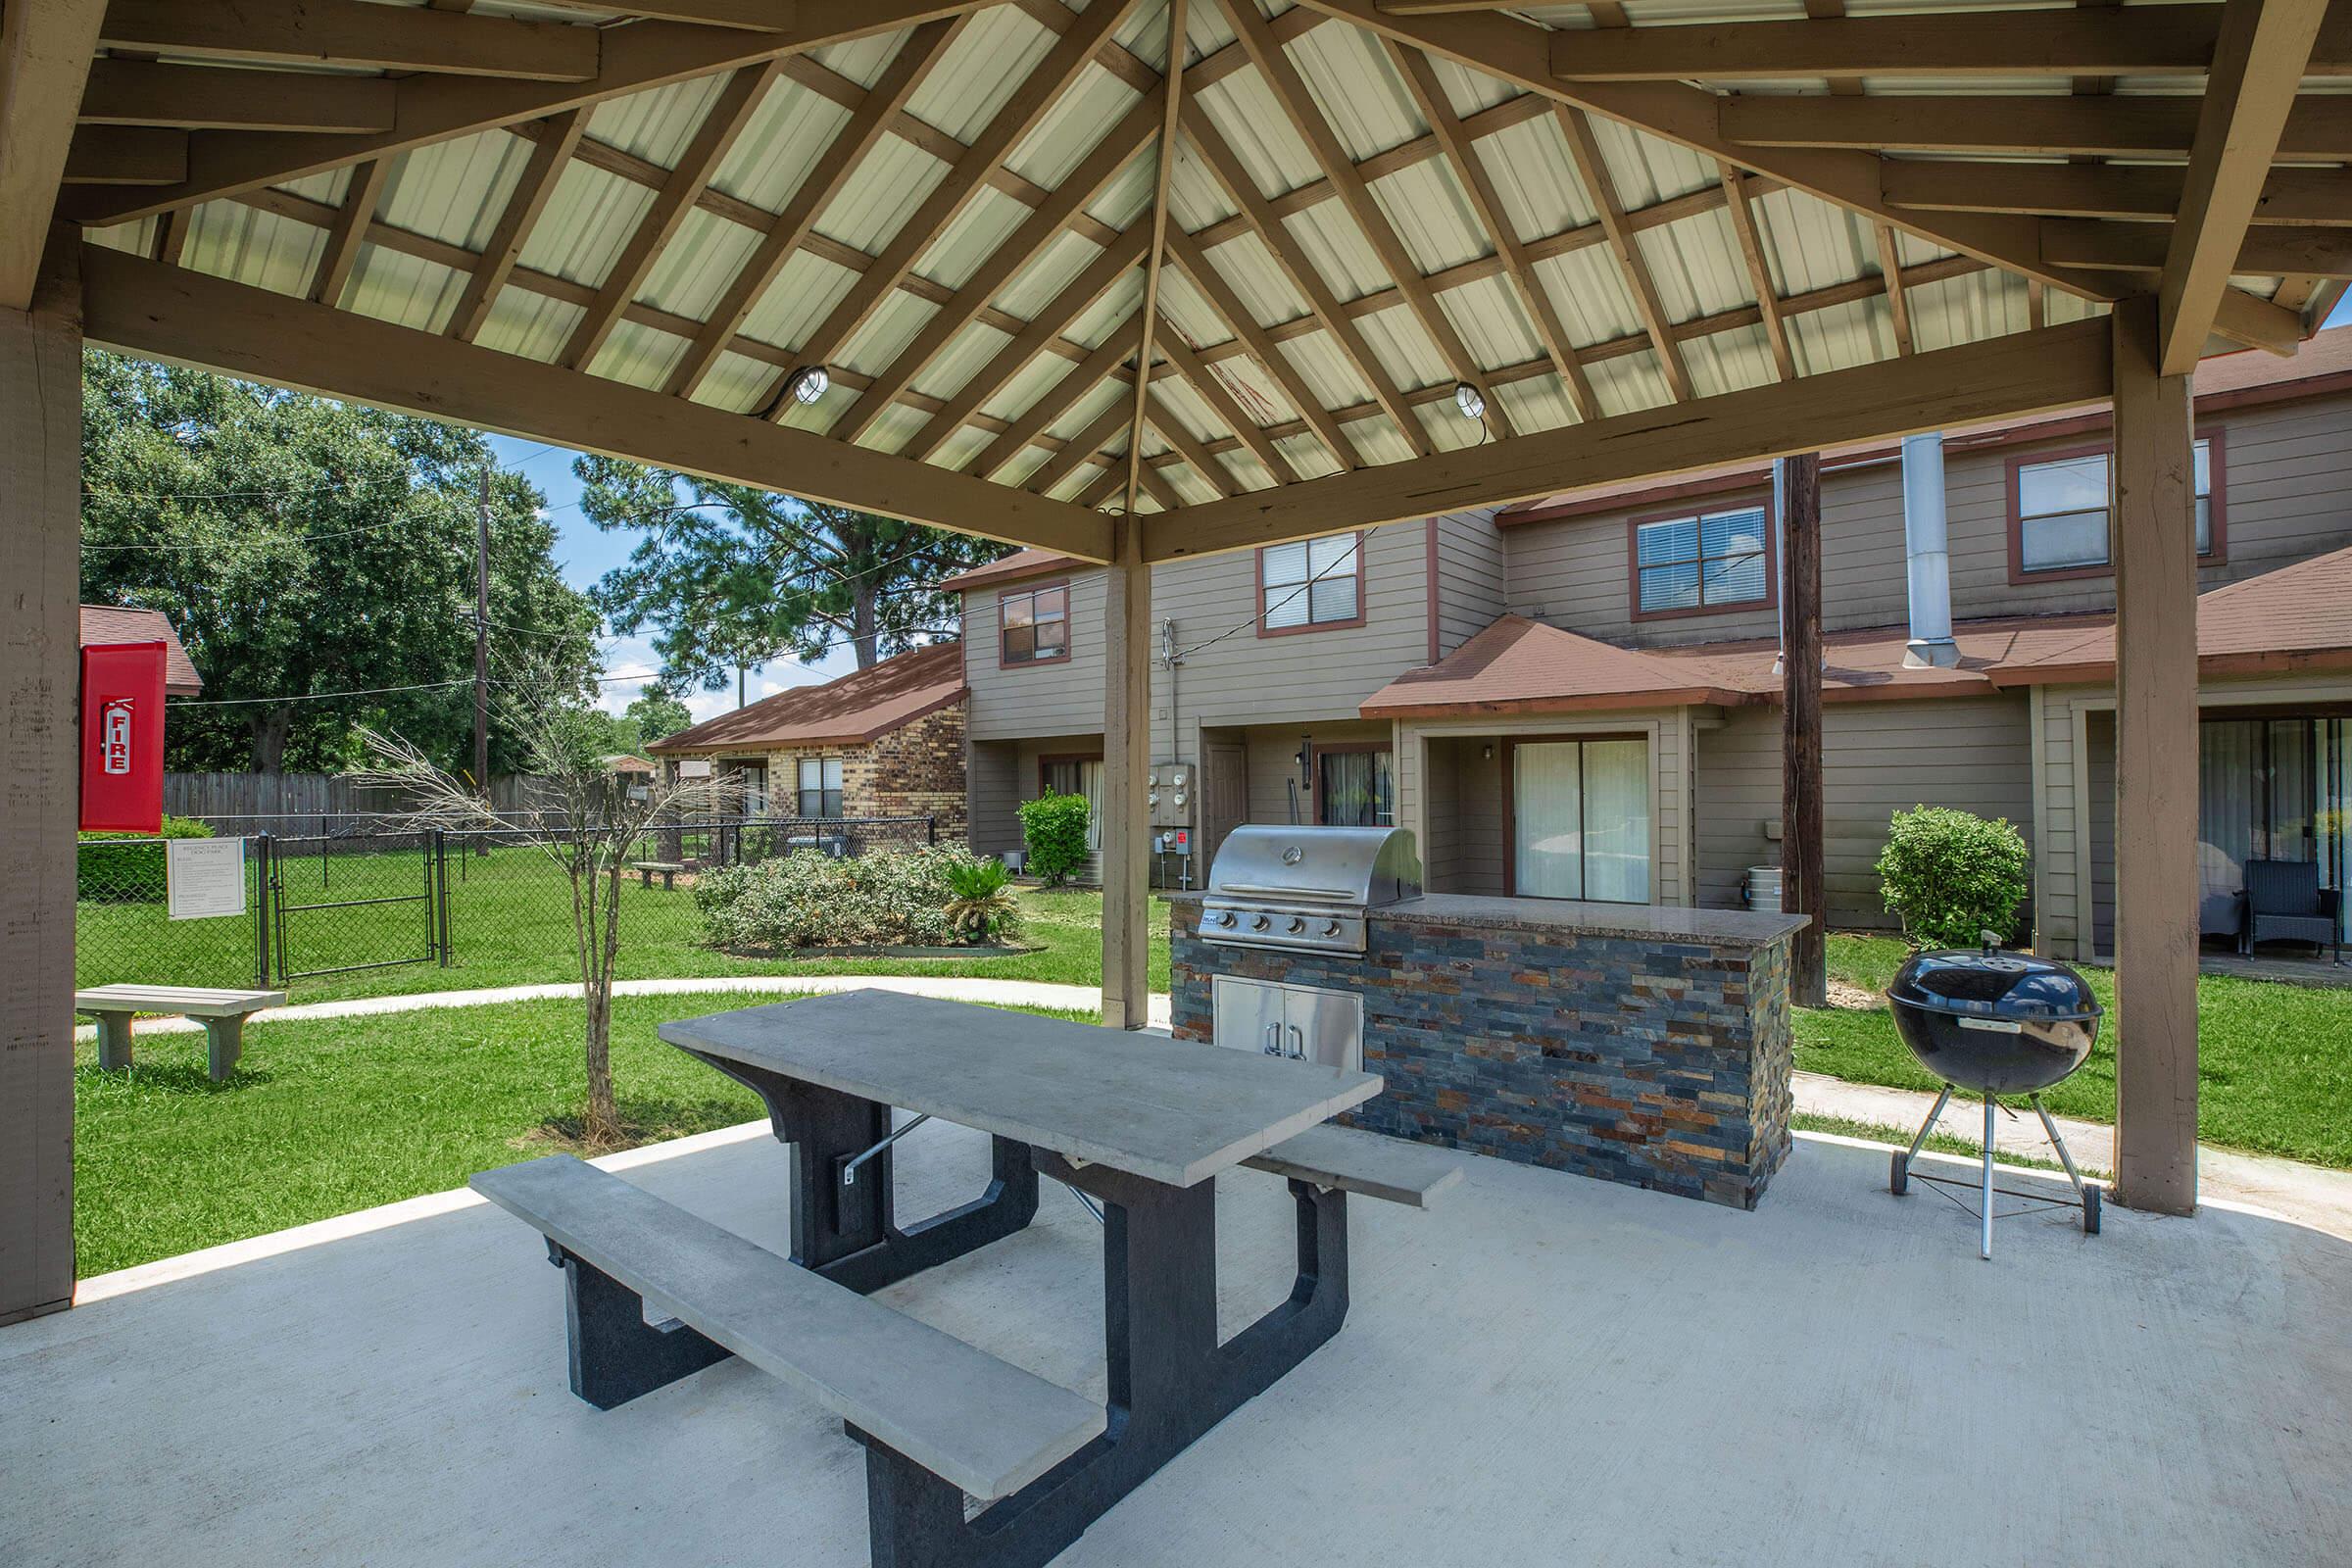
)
(2085, 1196)
(1900, 1178)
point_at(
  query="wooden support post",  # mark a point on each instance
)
(1126, 763)
(1802, 861)
(2156, 774)
(40, 554)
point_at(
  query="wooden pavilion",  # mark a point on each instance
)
(1137, 279)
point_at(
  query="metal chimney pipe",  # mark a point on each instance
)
(1774, 528)
(1926, 556)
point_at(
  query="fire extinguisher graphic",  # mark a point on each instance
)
(115, 742)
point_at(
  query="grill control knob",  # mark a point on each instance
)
(1225, 919)
(1260, 923)
(1298, 923)
(1331, 928)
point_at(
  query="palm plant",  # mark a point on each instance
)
(983, 900)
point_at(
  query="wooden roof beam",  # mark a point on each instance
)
(1123, 689)
(1759, 271)
(1308, 119)
(139, 92)
(1584, 149)
(1220, 400)
(2316, 128)
(529, 198)
(174, 314)
(2290, 196)
(1170, 424)
(2316, 253)
(1321, 302)
(1084, 445)
(1519, 53)
(1259, 345)
(2172, 39)
(1068, 60)
(45, 49)
(1058, 399)
(2258, 64)
(439, 107)
(136, 156)
(875, 113)
(1429, 96)
(1038, 233)
(723, 124)
(1890, 268)
(342, 32)
(2020, 373)
(349, 231)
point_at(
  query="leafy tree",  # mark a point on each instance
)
(658, 713)
(731, 577)
(301, 547)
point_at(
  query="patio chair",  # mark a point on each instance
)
(2285, 902)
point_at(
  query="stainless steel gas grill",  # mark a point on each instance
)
(1305, 888)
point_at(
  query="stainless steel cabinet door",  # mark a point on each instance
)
(1326, 1027)
(1246, 1014)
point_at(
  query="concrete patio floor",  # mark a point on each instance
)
(1544, 1369)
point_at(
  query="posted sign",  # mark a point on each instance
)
(123, 738)
(204, 878)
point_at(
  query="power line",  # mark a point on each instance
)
(1347, 559)
(315, 697)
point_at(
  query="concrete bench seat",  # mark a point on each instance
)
(976, 1422)
(646, 869)
(223, 1013)
(1365, 1163)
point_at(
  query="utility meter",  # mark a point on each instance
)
(1170, 794)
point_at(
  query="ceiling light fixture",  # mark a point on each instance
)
(809, 383)
(1471, 401)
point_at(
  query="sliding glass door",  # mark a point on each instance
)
(2270, 789)
(1579, 819)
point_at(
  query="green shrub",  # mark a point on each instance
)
(809, 899)
(128, 872)
(1952, 875)
(983, 902)
(1054, 827)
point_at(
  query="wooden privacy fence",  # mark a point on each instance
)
(266, 795)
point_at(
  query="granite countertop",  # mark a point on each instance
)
(1734, 928)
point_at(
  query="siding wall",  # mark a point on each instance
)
(1876, 758)
(1472, 587)
(2287, 480)
(1239, 679)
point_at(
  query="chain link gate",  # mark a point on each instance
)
(396, 898)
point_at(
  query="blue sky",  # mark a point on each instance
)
(586, 553)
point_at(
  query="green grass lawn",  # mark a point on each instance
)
(326, 1116)
(2275, 1061)
(511, 924)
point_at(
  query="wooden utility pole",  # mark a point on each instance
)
(481, 638)
(1802, 861)
(41, 556)
(2155, 548)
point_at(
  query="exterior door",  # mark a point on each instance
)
(1224, 799)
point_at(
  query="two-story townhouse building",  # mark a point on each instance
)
(1580, 697)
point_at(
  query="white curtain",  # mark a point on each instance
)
(1548, 821)
(1617, 821)
(2226, 779)
(1090, 785)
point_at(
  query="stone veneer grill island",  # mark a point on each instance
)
(1638, 1043)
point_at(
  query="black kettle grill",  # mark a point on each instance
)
(1995, 1024)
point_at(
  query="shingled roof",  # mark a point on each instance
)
(114, 623)
(856, 709)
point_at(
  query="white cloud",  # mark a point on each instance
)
(634, 654)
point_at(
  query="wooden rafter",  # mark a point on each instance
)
(349, 232)
(2170, 40)
(1429, 96)
(1213, 391)
(341, 33)
(2018, 373)
(1890, 268)
(1169, 107)
(177, 314)
(2316, 253)
(1164, 419)
(560, 135)
(1118, 418)
(1077, 296)
(438, 108)
(1759, 270)
(825, 181)
(1028, 107)
(2289, 196)
(1038, 233)
(126, 155)
(1584, 149)
(1325, 306)
(1056, 400)
(2316, 128)
(2258, 64)
(1306, 117)
(1518, 53)
(723, 124)
(45, 48)
(140, 92)
(1234, 312)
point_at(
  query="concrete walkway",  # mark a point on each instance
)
(2308, 1194)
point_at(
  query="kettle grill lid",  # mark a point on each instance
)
(1980, 984)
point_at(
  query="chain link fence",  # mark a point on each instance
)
(348, 895)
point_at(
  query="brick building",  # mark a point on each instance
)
(881, 742)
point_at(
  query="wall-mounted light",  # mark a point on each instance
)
(1470, 400)
(809, 383)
